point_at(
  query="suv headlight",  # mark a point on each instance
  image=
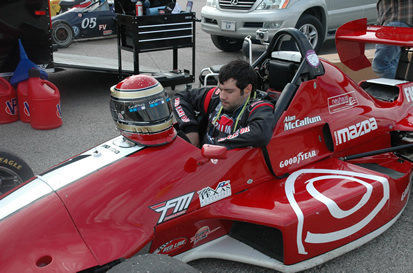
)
(272, 4)
(211, 3)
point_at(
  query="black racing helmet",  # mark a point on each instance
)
(142, 110)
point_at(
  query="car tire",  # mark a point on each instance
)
(312, 29)
(227, 44)
(13, 171)
(152, 263)
(62, 34)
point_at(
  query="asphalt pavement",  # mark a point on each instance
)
(87, 122)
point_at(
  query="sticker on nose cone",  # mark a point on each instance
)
(331, 187)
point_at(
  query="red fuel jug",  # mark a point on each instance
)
(8, 103)
(44, 101)
(22, 98)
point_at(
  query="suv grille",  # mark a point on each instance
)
(236, 4)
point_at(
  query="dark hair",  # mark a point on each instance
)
(241, 71)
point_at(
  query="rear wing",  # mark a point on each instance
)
(352, 37)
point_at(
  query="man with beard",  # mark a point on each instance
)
(232, 114)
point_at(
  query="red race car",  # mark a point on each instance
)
(336, 174)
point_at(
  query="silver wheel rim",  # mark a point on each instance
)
(310, 33)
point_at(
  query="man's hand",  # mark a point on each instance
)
(194, 138)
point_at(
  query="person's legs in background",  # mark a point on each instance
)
(386, 57)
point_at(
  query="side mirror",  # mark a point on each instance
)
(214, 151)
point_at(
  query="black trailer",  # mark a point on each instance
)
(30, 21)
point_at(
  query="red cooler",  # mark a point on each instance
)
(22, 98)
(44, 101)
(8, 103)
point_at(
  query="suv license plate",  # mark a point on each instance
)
(228, 25)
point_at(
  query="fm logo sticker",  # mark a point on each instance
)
(173, 208)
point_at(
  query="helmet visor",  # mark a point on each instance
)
(140, 111)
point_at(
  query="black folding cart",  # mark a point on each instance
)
(154, 33)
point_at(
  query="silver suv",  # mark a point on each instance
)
(229, 21)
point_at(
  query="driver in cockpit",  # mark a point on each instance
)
(231, 115)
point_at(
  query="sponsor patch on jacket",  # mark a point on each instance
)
(236, 134)
(259, 103)
(180, 111)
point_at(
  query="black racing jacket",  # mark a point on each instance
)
(196, 110)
